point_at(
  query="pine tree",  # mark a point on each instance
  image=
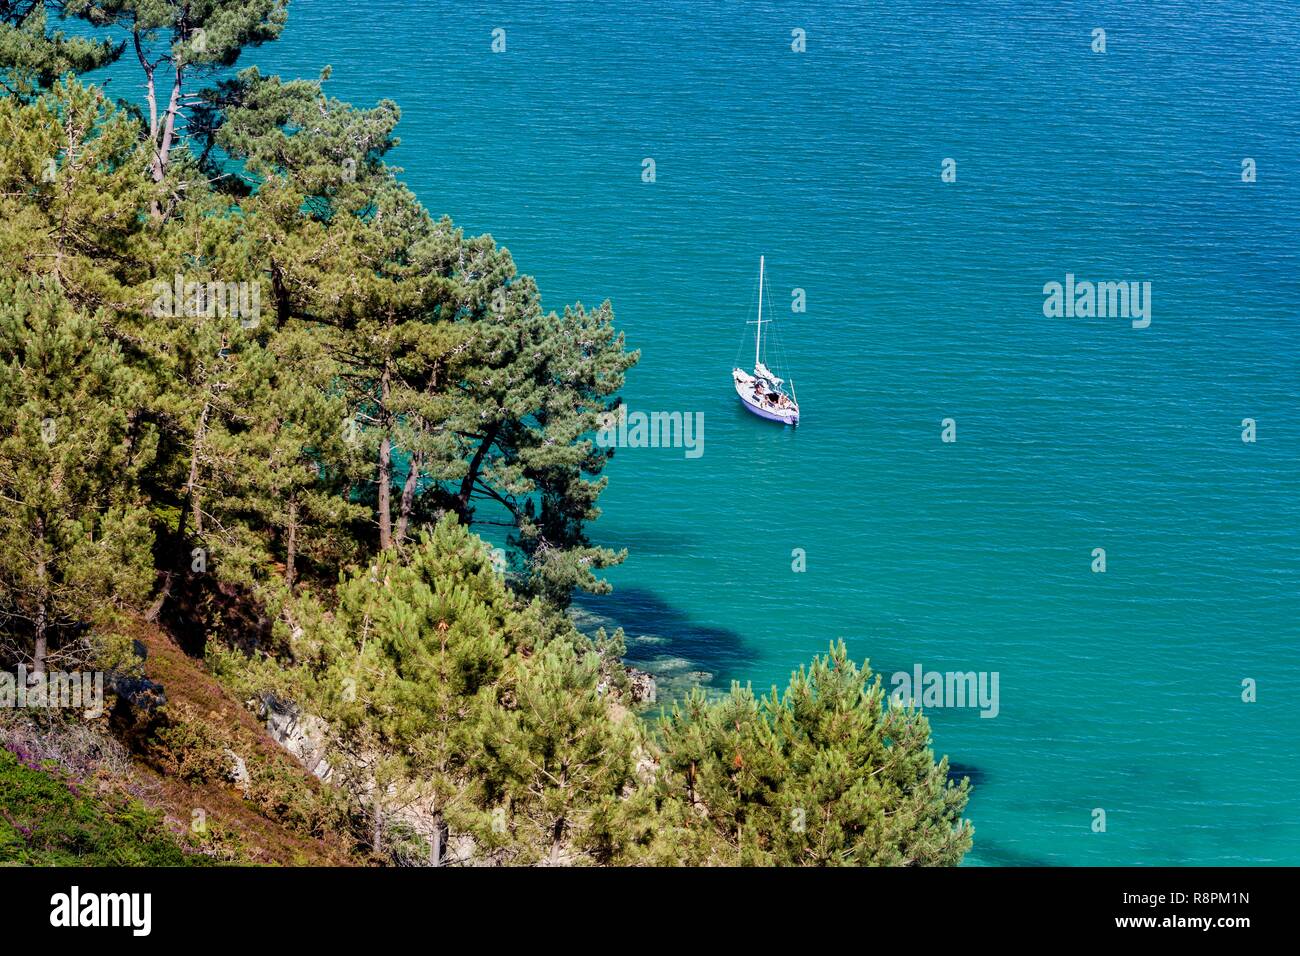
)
(32, 56)
(554, 766)
(533, 393)
(445, 693)
(443, 348)
(409, 665)
(71, 195)
(257, 467)
(826, 774)
(70, 199)
(173, 39)
(351, 253)
(74, 529)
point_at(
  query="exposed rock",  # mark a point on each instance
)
(636, 691)
(136, 707)
(642, 684)
(239, 771)
(419, 818)
(306, 736)
(646, 766)
(670, 665)
(138, 694)
(303, 735)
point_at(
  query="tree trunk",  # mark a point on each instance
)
(467, 483)
(385, 493)
(155, 609)
(169, 126)
(408, 496)
(385, 469)
(151, 94)
(377, 833)
(557, 840)
(280, 293)
(291, 547)
(191, 486)
(41, 647)
(440, 835)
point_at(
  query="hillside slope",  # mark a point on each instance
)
(196, 779)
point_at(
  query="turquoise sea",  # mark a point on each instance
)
(1119, 690)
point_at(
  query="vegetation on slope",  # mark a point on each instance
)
(254, 395)
(46, 820)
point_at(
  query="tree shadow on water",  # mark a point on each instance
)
(987, 853)
(956, 771)
(664, 640)
(644, 542)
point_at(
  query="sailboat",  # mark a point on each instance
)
(763, 393)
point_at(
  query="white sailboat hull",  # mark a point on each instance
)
(761, 393)
(756, 399)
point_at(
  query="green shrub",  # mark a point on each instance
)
(46, 820)
(186, 746)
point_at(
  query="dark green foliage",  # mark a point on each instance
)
(442, 351)
(72, 190)
(488, 721)
(75, 540)
(32, 56)
(558, 762)
(174, 39)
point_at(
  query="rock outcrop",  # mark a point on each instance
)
(303, 735)
(643, 687)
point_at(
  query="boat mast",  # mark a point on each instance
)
(758, 336)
